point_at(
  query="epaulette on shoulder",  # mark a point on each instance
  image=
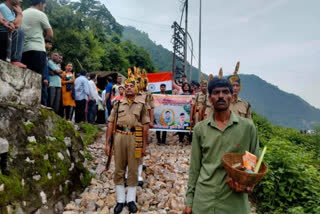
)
(140, 98)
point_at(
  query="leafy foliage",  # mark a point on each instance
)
(292, 184)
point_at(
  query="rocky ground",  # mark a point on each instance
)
(165, 180)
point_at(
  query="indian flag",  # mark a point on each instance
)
(156, 79)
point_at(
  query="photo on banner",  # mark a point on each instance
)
(172, 113)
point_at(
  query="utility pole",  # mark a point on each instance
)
(178, 51)
(186, 39)
(200, 22)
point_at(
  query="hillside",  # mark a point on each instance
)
(279, 107)
(161, 57)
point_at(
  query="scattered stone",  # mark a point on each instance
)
(67, 141)
(29, 161)
(36, 177)
(49, 176)
(46, 157)
(58, 208)
(31, 139)
(60, 155)
(1, 187)
(51, 138)
(43, 197)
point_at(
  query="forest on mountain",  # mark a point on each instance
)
(162, 58)
(86, 34)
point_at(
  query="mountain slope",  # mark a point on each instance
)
(279, 107)
(161, 57)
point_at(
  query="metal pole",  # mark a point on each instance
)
(200, 22)
(190, 70)
(186, 41)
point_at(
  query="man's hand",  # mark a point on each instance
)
(151, 124)
(143, 152)
(6, 24)
(18, 10)
(187, 210)
(107, 151)
(45, 82)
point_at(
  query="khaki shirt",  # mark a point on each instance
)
(241, 108)
(148, 99)
(200, 99)
(207, 190)
(134, 115)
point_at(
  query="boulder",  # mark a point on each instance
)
(19, 86)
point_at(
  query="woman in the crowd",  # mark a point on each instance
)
(67, 83)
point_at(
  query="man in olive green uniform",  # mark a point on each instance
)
(130, 142)
(198, 104)
(238, 106)
(223, 132)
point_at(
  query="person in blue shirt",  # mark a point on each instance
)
(10, 29)
(107, 101)
(81, 87)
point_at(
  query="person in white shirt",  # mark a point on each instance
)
(94, 98)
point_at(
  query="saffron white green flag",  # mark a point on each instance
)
(156, 79)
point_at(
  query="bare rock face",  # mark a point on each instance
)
(19, 86)
(45, 160)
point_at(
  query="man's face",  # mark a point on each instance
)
(119, 80)
(163, 89)
(130, 89)
(138, 84)
(168, 115)
(42, 6)
(55, 57)
(182, 117)
(236, 88)
(221, 98)
(204, 88)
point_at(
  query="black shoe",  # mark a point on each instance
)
(118, 208)
(132, 207)
(140, 183)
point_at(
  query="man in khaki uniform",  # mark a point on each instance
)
(198, 104)
(238, 106)
(142, 83)
(130, 142)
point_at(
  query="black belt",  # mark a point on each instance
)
(126, 129)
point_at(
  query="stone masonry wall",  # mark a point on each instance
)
(19, 86)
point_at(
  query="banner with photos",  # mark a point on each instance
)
(172, 113)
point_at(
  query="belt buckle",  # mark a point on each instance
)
(127, 129)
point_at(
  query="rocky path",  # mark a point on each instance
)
(165, 180)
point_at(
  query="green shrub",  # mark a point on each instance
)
(292, 184)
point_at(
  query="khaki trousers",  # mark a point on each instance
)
(124, 156)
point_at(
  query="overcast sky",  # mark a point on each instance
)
(278, 40)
